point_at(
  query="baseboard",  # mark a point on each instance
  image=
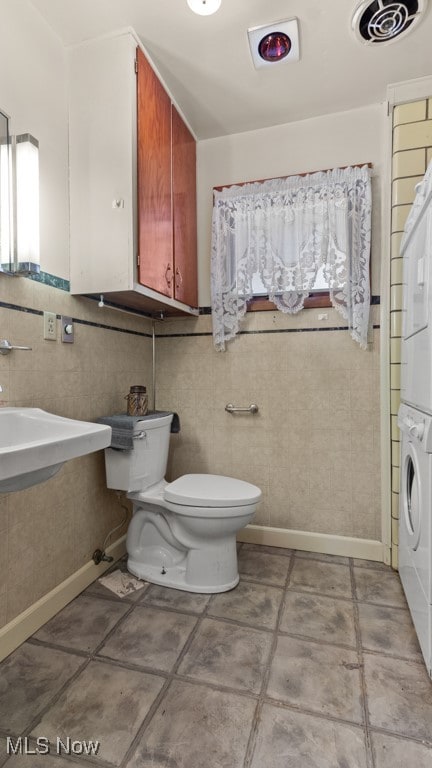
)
(28, 622)
(364, 549)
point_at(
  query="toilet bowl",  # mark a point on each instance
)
(182, 534)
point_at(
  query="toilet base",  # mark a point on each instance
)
(174, 577)
(193, 551)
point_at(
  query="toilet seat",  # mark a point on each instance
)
(215, 491)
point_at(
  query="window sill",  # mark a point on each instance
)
(315, 301)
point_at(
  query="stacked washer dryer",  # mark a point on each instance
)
(415, 417)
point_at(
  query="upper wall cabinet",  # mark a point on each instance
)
(132, 182)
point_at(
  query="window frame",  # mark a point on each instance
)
(315, 300)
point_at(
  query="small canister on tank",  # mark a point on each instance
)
(137, 401)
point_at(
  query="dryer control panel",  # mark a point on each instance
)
(417, 425)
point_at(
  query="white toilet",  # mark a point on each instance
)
(182, 534)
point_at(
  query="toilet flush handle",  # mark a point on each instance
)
(140, 436)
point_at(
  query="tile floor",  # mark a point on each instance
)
(311, 662)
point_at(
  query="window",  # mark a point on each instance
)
(287, 238)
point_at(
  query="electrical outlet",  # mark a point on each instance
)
(50, 326)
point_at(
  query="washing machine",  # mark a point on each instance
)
(415, 524)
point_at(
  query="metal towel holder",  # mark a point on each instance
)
(230, 408)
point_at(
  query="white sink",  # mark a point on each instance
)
(34, 445)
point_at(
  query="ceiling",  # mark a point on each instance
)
(206, 63)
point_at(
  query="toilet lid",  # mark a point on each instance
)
(211, 491)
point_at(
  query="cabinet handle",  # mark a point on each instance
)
(167, 276)
(179, 279)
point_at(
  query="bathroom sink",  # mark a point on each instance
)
(34, 445)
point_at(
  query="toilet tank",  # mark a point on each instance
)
(146, 463)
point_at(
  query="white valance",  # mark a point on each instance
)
(285, 231)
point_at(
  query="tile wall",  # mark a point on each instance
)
(313, 448)
(49, 531)
(412, 152)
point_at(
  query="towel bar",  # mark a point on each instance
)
(253, 408)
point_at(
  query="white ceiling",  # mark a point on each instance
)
(206, 62)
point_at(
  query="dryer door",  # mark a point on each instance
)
(411, 496)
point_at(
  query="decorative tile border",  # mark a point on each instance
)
(79, 321)
(257, 333)
(51, 280)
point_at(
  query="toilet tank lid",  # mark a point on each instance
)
(211, 491)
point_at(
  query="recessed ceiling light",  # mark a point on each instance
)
(274, 43)
(204, 7)
(274, 47)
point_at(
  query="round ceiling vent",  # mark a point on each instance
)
(382, 21)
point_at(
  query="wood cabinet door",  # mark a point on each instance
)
(155, 226)
(184, 212)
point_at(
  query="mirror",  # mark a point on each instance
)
(5, 196)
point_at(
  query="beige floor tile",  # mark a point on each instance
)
(263, 548)
(320, 678)
(327, 578)
(195, 727)
(262, 566)
(374, 564)
(83, 624)
(96, 707)
(175, 598)
(41, 761)
(388, 630)
(390, 752)
(320, 618)
(287, 738)
(384, 588)
(227, 655)
(30, 677)
(254, 604)
(324, 558)
(150, 637)
(399, 696)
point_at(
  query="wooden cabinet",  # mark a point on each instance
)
(132, 182)
(167, 248)
(184, 211)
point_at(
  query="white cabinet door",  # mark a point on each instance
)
(102, 164)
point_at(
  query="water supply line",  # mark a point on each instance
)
(99, 555)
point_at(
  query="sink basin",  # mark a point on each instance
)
(35, 444)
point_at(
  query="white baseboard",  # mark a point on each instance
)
(364, 549)
(28, 622)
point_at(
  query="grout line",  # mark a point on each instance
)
(401, 736)
(54, 699)
(363, 690)
(262, 696)
(172, 676)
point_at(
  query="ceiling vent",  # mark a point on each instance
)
(382, 21)
(274, 43)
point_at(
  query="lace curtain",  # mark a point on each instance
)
(285, 231)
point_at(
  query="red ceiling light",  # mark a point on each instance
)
(274, 43)
(275, 46)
